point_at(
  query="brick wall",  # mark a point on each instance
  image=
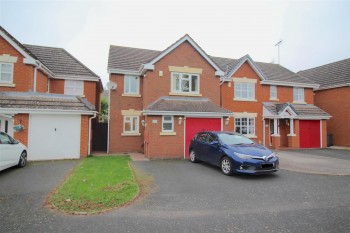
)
(262, 94)
(41, 82)
(57, 86)
(336, 102)
(22, 74)
(22, 136)
(184, 55)
(118, 142)
(84, 136)
(90, 92)
(163, 146)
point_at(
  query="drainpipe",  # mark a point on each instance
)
(263, 121)
(35, 72)
(89, 142)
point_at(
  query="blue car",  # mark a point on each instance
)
(233, 152)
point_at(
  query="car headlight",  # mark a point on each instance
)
(273, 155)
(243, 156)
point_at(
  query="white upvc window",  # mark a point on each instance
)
(244, 91)
(245, 125)
(298, 94)
(184, 83)
(273, 92)
(73, 87)
(131, 85)
(168, 124)
(131, 124)
(6, 72)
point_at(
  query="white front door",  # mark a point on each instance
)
(54, 136)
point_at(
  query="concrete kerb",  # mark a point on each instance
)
(306, 163)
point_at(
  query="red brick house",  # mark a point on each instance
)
(333, 95)
(164, 97)
(49, 97)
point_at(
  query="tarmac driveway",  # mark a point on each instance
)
(188, 198)
(319, 161)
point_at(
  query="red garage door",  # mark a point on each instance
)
(195, 125)
(309, 134)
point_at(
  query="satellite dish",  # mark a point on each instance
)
(111, 85)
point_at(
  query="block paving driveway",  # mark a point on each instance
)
(188, 198)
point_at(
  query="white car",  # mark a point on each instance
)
(12, 152)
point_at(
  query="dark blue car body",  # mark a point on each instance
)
(247, 157)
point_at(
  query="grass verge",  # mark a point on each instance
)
(97, 184)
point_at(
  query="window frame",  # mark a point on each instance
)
(74, 87)
(173, 87)
(127, 85)
(11, 72)
(273, 89)
(248, 126)
(137, 126)
(168, 121)
(299, 92)
(249, 87)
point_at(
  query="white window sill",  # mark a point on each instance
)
(291, 135)
(299, 102)
(131, 95)
(275, 135)
(131, 134)
(248, 100)
(274, 99)
(7, 85)
(167, 133)
(184, 94)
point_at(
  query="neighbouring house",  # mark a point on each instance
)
(163, 98)
(333, 95)
(48, 99)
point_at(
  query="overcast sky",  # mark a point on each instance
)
(313, 32)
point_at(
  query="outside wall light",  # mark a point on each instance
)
(179, 121)
(143, 123)
(227, 120)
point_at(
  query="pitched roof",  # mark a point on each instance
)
(60, 62)
(302, 110)
(43, 101)
(331, 75)
(131, 59)
(127, 58)
(186, 104)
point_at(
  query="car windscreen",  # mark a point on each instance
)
(234, 139)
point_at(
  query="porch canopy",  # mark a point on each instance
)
(291, 111)
(186, 106)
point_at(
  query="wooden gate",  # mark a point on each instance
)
(99, 136)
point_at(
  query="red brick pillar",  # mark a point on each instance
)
(276, 141)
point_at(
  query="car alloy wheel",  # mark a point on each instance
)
(22, 159)
(193, 158)
(226, 166)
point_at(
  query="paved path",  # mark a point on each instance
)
(322, 161)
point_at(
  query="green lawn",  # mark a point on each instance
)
(97, 184)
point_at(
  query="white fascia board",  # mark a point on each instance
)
(16, 46)
(194, 114)
(252, 64)
(30, 61)
(189, 39)
(120, 71)
(297, 117)
(82, 78)
(219, 73)
(333, 86)
(289, 84)
(45, 111)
